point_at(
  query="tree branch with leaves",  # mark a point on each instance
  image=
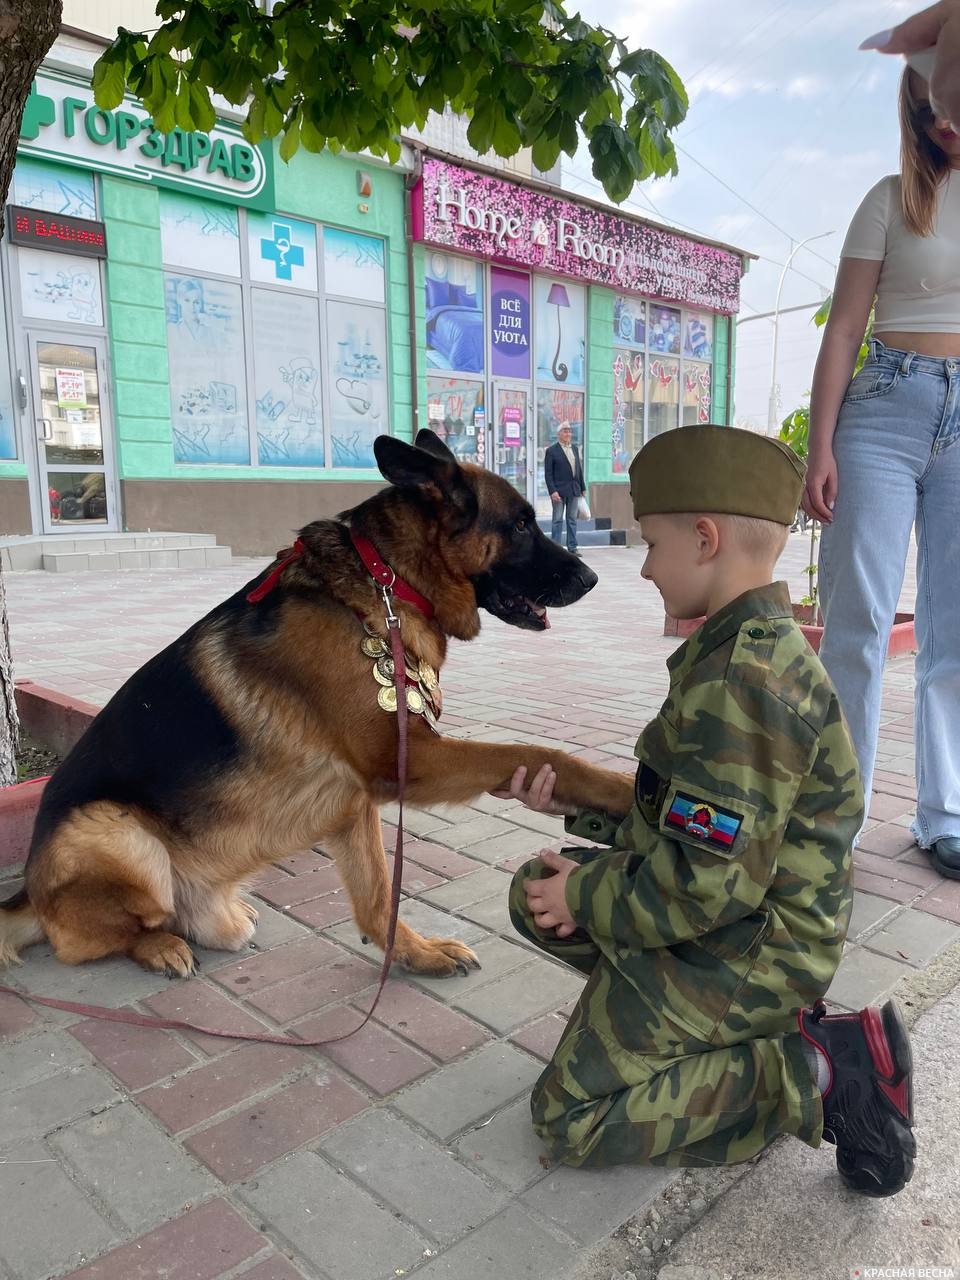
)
(319, 74)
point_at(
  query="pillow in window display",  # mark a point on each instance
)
(438, 293)
(626, 325)
(460, 296)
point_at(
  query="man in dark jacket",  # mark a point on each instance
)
(563, 472)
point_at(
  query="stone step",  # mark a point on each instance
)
(601, 537)
(204, 557)
(131, 550)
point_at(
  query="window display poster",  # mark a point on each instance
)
(208, 401)
(353, 265)
(510, 323)
(560, 309)
(697, 384)
(664, 331)
(282, 250)
(286, 373)
(59, 287)
(198, 234)
(71, 389)
(627, 429)
(629, 320)
(454, 408)
(698, 335)
(453, 313)
(38, 185)
(357, 361)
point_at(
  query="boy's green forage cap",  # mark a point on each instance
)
(723, 470)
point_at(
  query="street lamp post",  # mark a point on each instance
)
(773, 405)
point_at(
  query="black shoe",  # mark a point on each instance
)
(946, 857)
(868, 1104)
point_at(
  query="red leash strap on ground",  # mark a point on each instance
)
(133, 1018)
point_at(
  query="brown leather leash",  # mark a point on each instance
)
(130, 1016)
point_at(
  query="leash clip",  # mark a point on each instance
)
(387, 593)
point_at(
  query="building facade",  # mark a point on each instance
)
(201, 337)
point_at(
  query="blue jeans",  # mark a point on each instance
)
(897, 448)
(568, 506)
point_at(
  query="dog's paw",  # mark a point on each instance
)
(439, 958)
(164, 953)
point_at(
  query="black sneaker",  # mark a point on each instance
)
(868, 1104)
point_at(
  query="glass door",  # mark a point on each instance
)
(73, 440)
(511, 430)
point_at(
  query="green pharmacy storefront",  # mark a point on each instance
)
(194, 333)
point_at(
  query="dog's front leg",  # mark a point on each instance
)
(357, 849)
(455, 771)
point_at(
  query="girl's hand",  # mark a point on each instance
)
(539, 795)
(820, 491)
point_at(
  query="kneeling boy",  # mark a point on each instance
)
(717, 917)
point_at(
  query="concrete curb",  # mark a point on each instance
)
(56, 721)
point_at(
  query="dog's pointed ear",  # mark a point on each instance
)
(407, 465)
(429, 440)
(435, 472)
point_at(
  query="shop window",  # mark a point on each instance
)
(453, 313)
(696, 393)
(353, 265)
(553, 407)
(60, 288)
(629, 321)
(266, 365)
(663, 395)
(698, 335)
(357, 363)
(53, 187)
(287, 381)
(205, 342)
(199, 234)
(457, 413)
(628, 397)
(663, 334)
(559, 308)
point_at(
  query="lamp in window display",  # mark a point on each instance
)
(557, 297)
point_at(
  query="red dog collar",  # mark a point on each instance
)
(384, 576)
(381, 573)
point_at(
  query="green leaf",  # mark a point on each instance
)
(290, 143)
(109, 81)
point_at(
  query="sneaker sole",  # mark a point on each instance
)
(889, 1047)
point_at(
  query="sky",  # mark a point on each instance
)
(786, 116)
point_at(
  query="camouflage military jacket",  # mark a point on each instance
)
(729, 881)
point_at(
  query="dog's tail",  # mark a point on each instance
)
(19, 927)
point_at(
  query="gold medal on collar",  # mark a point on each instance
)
(381, 679)
(415, 702)
(384, 668)
(373, 646)
(427, 675)
(387, 697)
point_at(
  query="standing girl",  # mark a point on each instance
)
(885, 457)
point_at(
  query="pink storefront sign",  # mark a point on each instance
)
(491, 218)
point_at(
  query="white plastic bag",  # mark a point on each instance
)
(583, 509)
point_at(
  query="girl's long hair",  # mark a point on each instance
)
(923, 165)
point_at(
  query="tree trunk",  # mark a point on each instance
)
(27, 30)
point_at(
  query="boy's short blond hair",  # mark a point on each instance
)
(759, 539)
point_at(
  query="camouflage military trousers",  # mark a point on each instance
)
(628, 1084)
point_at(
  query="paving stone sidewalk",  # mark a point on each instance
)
(131, 1154)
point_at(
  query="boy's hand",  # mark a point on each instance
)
(546, 898)
(539, 796)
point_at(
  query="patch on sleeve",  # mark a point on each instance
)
(701, 820)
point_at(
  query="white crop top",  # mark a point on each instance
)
(919, 286)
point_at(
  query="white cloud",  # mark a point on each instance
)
(804, 87)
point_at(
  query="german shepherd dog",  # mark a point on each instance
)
(259, 732)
